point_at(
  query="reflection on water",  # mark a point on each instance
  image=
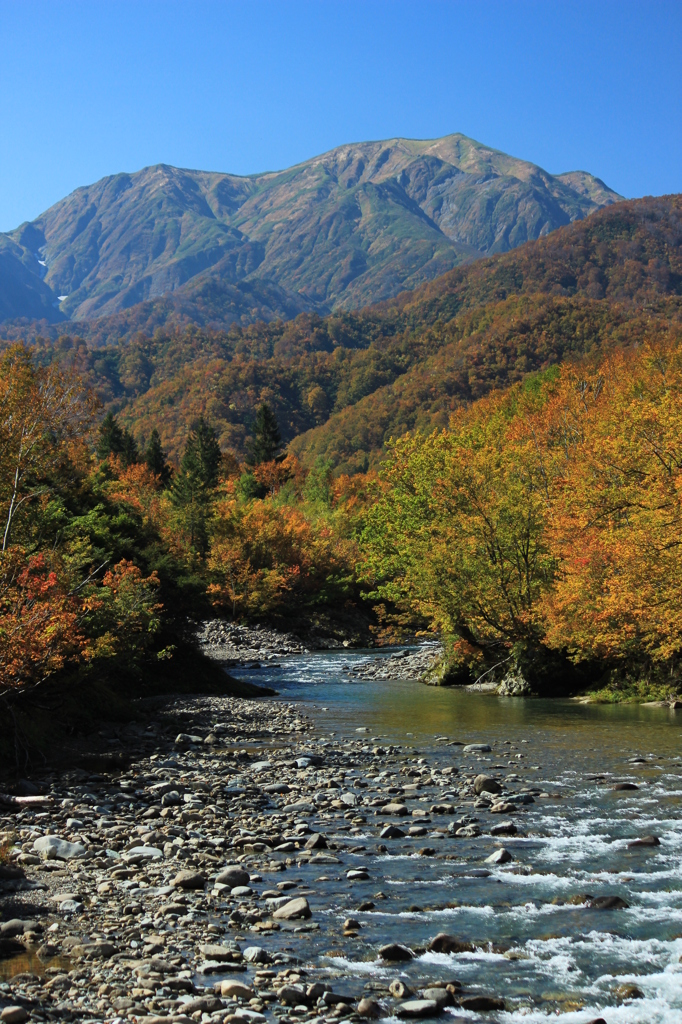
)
(397, 709)
(29, 962)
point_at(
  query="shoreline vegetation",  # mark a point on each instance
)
(532, 523)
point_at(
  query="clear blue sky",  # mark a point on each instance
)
(92, 88)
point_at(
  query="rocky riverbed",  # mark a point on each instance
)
(402, 664)
(250, 867)
(236, 645)
(190, 885)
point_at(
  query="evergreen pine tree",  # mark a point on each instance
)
(195, 481)
(266, 440)
(155, 458)
(208, 452)
(110, 439)
(130, 453)
(114, 441)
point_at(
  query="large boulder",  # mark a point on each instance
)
(293, 910)
(486, 784)
(189, 880)
(394, 952)
(235, 990)
(444, 943)
(418, 1008)
(233, 875)
(54, 848)
(479, 1004)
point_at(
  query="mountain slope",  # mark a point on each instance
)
(474, 329)
(342, 384)
(22, 290)
(353, 226)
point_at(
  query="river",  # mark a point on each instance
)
(545, 954)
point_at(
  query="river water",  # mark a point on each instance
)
(542, 953)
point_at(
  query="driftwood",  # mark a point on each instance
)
(19, 803)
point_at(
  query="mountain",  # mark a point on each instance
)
(342, 384)
(356, 225)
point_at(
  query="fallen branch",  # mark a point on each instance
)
(20, 802)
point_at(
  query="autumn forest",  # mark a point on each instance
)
(493, 458)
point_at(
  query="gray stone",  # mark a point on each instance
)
(293, 910)
(10, 929)
(394, 952)
(71, 907)
(644, 841)
(400, 810)
(468, 832)
(54, 848)
(219, 953)
(256, 955)
(505, 828)
(440, 996)
(444, 943)
(233, 875)
(503, 807)
(301, 807)
(418, 1008)
(486, 784)
(500, 856)
(291, 995)
(94, 950)
(316, 842)
(481, 1003)
(370, 1008)
(139, 854)
(392, 832)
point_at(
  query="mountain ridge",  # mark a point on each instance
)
(341, 385)
(352, 226)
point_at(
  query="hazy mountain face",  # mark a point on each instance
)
(353, 226)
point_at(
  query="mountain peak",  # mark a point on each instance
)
(357, 224)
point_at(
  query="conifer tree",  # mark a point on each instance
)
(155, 458)
(114, 441)
(266, 440)
(130, 454)
(110, 439)
(195, 482)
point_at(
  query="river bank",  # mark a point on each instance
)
(322, 856)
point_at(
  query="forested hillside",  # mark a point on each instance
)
(341, 385)
(527, 508)
(539, 534)
(352, 226)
